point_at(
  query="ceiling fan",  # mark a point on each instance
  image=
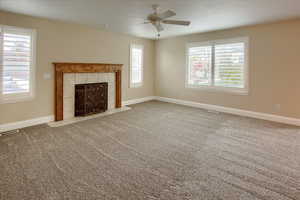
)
(157, 19)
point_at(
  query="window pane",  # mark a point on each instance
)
(136, 76)
(16, 63)
(136, 65)
(199, 65)
(229, 65)
(15, 81)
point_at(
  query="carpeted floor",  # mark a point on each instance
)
(154, 151)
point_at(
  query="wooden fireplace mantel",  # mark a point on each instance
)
(61, 68)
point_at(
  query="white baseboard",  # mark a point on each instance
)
(26, 123)
(258, 115)
(47, 119)
(246, 113)
(135, 101)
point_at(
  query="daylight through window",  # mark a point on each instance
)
(218, 65)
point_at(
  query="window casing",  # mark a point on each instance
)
(136, 65)
(17, 64)
(220, 65)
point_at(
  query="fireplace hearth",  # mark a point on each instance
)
(91, 98)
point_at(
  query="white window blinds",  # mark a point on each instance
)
(17, 62)
(199, 65)
(218, 64)
(136, 65)
(229, 65)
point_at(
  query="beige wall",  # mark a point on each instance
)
(64, 42)
(274, 69)
(274, 65)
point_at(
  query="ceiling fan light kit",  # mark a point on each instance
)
(157, 19)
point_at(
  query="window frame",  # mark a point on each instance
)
(139, 84)
(26, 96)
(212, 87)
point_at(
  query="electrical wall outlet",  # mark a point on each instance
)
(277, 107)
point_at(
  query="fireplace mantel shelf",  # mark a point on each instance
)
(63, 67)
(87, 67)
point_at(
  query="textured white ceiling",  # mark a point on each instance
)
(127, 16)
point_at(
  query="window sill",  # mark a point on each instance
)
(136, 85)
(235, 91)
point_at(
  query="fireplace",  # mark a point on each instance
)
(90, 98)
(80, 71)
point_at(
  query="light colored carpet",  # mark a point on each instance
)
(154, 151)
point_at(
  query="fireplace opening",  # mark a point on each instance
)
(91, 98)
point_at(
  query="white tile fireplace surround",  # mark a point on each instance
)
(71, 79)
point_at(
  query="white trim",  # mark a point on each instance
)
(50, 118)
(236, 91)
(26, 123)
(140, 84)
(213, 88)
(246, 113)
(136, 85)
(27, 96)
(209, 107)
(135, 101)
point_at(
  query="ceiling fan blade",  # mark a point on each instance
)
(166, 14)
(159, 27)
(177, 22)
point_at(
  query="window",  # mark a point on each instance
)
(136, 65)
(219, 65)
(17, 64)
